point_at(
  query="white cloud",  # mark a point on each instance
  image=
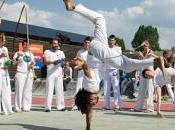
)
(159, 13)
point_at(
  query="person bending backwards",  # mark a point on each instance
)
(99, 51)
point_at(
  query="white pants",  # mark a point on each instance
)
(54, 81)
(145, 94)
(23, 90)
(170, 91)
(99, 45)
(5, 92)
(112, 80)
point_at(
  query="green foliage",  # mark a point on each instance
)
(146, 33)
(121, 43)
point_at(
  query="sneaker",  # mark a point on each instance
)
(117, 109)
(47, 110)
(135, 110)
(149, 111)
(74, 108)
(61, 108)
(105, 109)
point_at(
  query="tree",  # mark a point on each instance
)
(146, 33)
(121, 43)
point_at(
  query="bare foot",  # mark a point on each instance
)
(69, 5)
(18, 110)
(159, 115)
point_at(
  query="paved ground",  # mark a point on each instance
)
(73, 120)
(37, 119)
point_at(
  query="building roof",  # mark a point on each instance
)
(36, 31)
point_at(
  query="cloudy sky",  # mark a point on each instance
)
(123, 16)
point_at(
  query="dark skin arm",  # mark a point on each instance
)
(89, 115)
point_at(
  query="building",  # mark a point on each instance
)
(38, 36)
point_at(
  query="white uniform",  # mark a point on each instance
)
(111, 80)
(96, 68)
(159, 80)
(146, 91)
(23, 82)
(99, 45)
(83, 54)
(5, 87)
(54, 79)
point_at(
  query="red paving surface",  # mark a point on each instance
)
(40, 100)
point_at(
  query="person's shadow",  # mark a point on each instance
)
(34, 127)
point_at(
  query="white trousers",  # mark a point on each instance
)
(145, 94)
(23, 90)
(54, 81)
(111, 80)
(99, 45)
(170, 91)
(5, 92)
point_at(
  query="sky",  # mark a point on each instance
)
(123, 17)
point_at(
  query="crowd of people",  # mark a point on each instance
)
(100, 59)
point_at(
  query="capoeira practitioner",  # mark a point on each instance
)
(53, 59)
(146, 85)
(82, 53)
(111, 80)
(23, 78)
(5, 87)
(159, 81)
(99, 48)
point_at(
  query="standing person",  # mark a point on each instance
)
(146, 85)
(111, 80)
(173, 66)
(5, 87)
(54, 58)
(67, 70)
(24, 60)
(99, 48)
(82, 53)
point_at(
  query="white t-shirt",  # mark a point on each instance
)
(117, 49)
(23, 65)
(82, 53)
(160, 80)
(53, 56)
(5, 51)
(96, 69)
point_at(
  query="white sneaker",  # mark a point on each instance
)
(61, 108)
(149, 111)
(74, 108)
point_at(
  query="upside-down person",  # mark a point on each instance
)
(87, 97)
(160, 81)
(99, 44)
